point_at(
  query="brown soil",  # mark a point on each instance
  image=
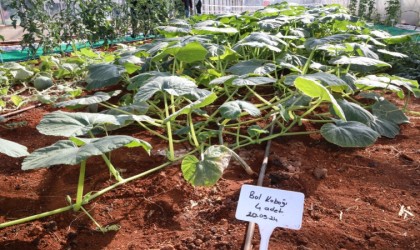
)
(352, 196)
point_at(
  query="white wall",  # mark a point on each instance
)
(410, 12)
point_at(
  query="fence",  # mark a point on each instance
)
(238, 6)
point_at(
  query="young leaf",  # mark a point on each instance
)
(201, 102)
(209, 170)
(349, 134)
(17, 100)
(232, 110)
(314, 89)
(103, 75)
(255, 131)
(132, 59)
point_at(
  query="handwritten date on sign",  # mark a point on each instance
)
(279, 208)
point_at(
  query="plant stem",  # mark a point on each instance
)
(36, 216)
(261, 98)
(93, 196)
(92, 219)
(112, 169)
(308, 62)
(192, 129)
(80, 185)
(169, 130)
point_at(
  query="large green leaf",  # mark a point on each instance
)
(75, 150)
(385, 110)
(349, 134)
(220, 52)
(384, 127)
(61, 123)
(360, 64)
(392, 53)
(313, 43)
(330, 80)
(21, 74)
(141, 79)
(372, 82)
(271, 24)
(209, 170)
(12, 149)
(171, 31)
(411, 85)
(215, 30)
(397, 39)
(316, 90)
(252, 81)
(130, 59)
(261, 40)
(232, 109)
(172, 85)
(137, 108)
(192, 52)
(98, 97)
(223, 80)
(253, 66)
(103, 75)
(355, 112)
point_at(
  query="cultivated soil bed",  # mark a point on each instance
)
(353, 196)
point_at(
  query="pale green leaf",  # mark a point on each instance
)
(233, 109)
(12, 149)
(68, 151)
(316, 90)
(208, 171)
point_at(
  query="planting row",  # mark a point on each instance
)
(216, 84)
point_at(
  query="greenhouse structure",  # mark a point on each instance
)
(409, 12)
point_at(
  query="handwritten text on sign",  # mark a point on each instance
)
(277, 207)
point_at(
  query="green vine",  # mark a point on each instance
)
(392, 8)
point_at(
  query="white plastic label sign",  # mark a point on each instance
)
(269, 206)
